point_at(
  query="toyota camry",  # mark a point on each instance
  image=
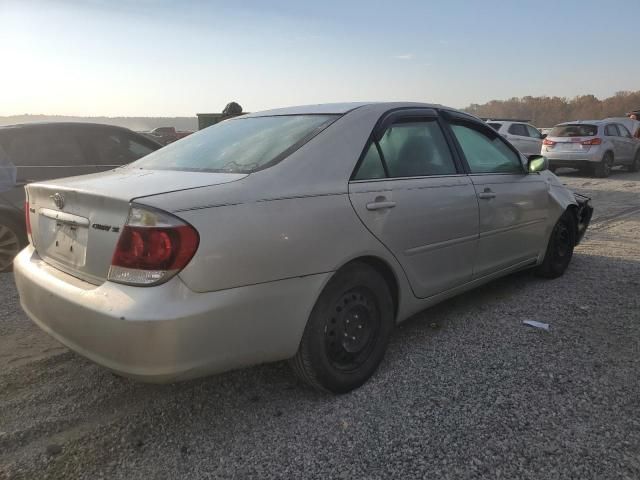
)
(304, 233)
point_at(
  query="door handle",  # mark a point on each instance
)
(487, 194)
(380, 205)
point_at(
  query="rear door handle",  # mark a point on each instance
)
(380, 205)
(487, 194)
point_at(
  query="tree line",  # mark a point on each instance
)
(549, 111)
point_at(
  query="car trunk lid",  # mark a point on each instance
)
(76, 222)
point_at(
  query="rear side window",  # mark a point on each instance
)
(241, 145)
(518, 129)
(408, 149)
(611, 130)
(44, 148)
(495, 126)
(578, 130)
(486, 153)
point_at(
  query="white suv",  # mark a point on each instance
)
(520, 134)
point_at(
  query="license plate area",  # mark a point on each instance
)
(64, 242)
(572, 147)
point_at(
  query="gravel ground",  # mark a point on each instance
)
(466, 390)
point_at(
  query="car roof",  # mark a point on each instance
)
(61, 125)
(588, 122)
(337, 108)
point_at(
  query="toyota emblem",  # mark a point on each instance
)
(58, 199)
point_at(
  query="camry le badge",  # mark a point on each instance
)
(58, 199)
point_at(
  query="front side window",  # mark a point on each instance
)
(623, 131)
(486, 153)
(112, 148)
(533, 132)
(241, 145)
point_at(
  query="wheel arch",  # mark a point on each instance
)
(388, 274)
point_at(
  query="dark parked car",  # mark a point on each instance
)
(43, 151)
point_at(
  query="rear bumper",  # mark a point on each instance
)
(168, 332)
(580, 164)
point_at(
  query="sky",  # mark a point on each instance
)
(178, 58)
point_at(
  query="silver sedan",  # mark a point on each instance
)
(304, 233)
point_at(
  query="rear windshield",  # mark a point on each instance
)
(495, 126)
(580, 130)
(242, 145)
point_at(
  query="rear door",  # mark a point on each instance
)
(613, 135)
(519, 137)
(627, 143)
(513, 204)
(411, 193)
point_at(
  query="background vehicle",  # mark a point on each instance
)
(304, 233)
(42, 151)
(594, 146)
(166, 135)
(525, 137)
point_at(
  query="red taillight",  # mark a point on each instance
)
(27, 217)
(548, 142)
(152, 248)
(593, 141)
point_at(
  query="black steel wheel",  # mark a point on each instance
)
(347, 332)
(560, 247)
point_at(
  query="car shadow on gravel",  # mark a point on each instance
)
(454, 380)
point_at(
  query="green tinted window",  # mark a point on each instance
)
(485, 154)
(416, 149)
(371, 166)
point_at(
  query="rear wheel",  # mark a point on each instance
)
(560, 247)
(347, 332)
(603, 169)
(12, 240)
(635, 165)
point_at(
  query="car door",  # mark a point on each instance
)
(519, 137)
(627, 143)
(612, 134)
(410, 191)
(535, 140)
(513, 204)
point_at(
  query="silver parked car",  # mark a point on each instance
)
(304, 233)
(594, 146)
(525, 137)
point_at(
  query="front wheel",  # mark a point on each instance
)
(635, 165)
(347, 332)
(560, 247)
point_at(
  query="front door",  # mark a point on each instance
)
(412, 196)
(513, 203)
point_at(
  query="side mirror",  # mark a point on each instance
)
(537, 163)
(543, 136)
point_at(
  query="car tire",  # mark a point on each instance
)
(560, 247)
(635, 165)
(603, 169)
(347, 332)
(12, 239)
